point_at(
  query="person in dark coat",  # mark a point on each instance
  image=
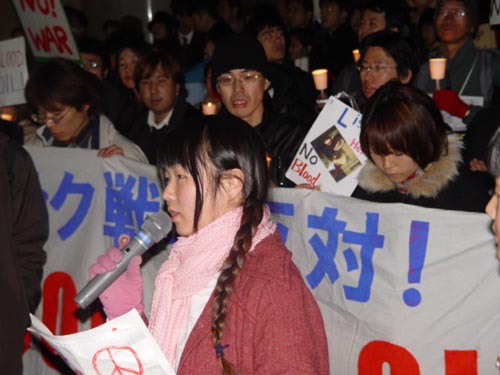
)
(412, 159)
(24, 228)
(241, 74)
(160, 83)
(293, 89)
(337, 39)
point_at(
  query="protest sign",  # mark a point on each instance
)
(13, 71)
(330, 156)
(495, 12)
(402, 289)
(46, 28)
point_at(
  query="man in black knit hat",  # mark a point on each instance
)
(240, 72)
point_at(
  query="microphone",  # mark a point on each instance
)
(154, 228)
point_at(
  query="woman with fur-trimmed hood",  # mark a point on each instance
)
(412, 159)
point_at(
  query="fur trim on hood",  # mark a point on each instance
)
(427, 184)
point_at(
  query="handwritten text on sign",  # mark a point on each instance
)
(46, 28)
(13, 71)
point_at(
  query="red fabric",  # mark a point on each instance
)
(449, 101)
(273, 323)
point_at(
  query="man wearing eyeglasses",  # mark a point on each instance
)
(95, 60)
(471, 74)
(240, 72)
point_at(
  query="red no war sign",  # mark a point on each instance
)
(46, 28)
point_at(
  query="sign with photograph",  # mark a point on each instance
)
(330, 156)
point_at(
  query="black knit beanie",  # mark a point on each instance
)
(239, 52)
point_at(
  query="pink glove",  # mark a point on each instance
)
(125, 293)
(449, 101)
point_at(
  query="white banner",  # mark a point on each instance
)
(13, 71)
(402, 289)
(47, 29)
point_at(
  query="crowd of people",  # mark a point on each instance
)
(426, 146)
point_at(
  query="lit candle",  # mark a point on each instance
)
(6, 116)
(209, 109)
(356, 55)
(437, 68)
(320, 77)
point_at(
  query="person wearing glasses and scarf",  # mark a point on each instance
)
(67, 100)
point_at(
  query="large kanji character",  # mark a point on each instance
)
(281, 208)
(66, 188)
(325, 252)
(124, 209)
(369, 240)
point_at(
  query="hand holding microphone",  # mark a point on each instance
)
(126, 260)
(125, 293)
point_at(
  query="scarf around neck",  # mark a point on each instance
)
(192, 263)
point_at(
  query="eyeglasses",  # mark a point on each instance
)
(90, 65)
(244, 79)
(43, 119)
(364, 69)
(453, 13)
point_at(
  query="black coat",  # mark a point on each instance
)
(24, 228)
(282, 136)
(150, 139)
(445, 184)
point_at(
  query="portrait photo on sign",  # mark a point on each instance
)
(335, 153)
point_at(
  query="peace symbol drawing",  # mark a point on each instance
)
(117, 360)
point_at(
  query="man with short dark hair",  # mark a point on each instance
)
(337, 38)
(241, 74)
(293, 90)
(160, 84)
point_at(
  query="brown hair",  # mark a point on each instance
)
(404, 119)
(170, 65)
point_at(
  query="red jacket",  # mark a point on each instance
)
(273, 323)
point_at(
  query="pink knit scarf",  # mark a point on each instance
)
(192, 263)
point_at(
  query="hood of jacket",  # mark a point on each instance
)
(427, 184)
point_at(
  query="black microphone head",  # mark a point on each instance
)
(157, 226)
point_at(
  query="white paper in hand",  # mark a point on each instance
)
(123, 345)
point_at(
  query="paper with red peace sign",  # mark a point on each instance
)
(122, 346)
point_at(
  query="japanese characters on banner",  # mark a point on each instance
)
(495, 12)
(402, 289)
(330, 155)
(91, 201)
(47, 29)
(13, 71)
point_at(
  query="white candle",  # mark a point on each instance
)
(320, 77)
(209, 109)
(437, 68)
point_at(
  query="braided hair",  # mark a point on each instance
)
(213, 148)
